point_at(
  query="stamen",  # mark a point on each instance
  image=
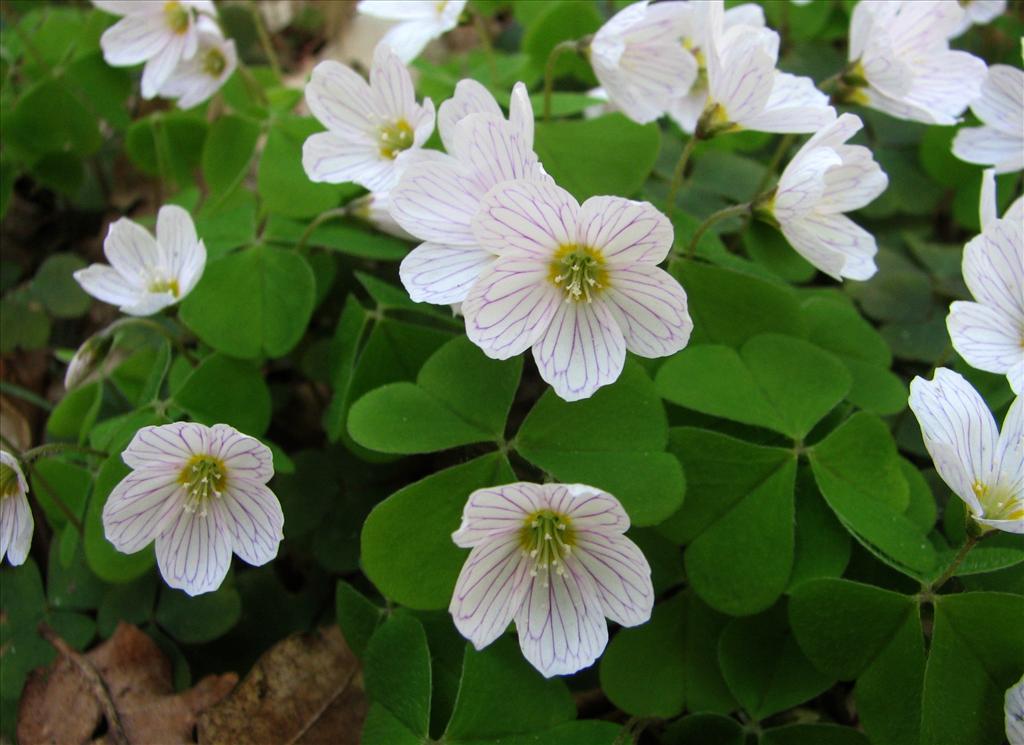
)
(204, 478)
(165, 285)
(214, 62)
(176, 16)
(579, 271)
(547, 538)
(394, 137)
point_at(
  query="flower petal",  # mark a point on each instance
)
(436, 201)
(340, 99)
(16, 526)
(988, 146)
(334, 158)
(650, 307)
(984, 337)
(176, 237)
(407, 40)
(167, 446)
(624, 231)
(561, 623)
(160, 66)
(107, 284)
(194, 552)
(244, 457)
(497, 511)
(470, 98)
(834, 244)
(510, 307)
(490, 589)
(494, 151)
(1001, 103)
(958, 430)
(1014, 709)
(526, 217)
(520, 114)
(853, 184)
(1009, 457)
(132, 251)
(620, 573)
(140, 507)
(251, 515)
(440, 274)
(993, 268)
(589, 508)
(795, 105)
(135, 38)
(391, 85)
(582, 349)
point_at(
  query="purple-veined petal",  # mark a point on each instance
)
(490, 589)
(16, 526)
(391, 85)
(958, 430)
(407, 40)
(520, 114)
(803, 182)
(589, 509)
(993, 268)
(534, 218)
(650, 308)
(436, 201)
(131, 250)
(251, 516)
(624, 231)
(990, 146)
(166, 446)
(561, 623)
(176, 237)
(243, 456)
(493, 151)
(194, 552)
(140, 507)
(1001, 103)
(335, 158)
(794, 105)
(984, 337)
(1008, 468)
(582, 349)
(1009, 526)
(497, 511)
(1014, 712)
(855, 183)
(440, 274)
(620, 573)
(147, 303)
(744, 81)
(470, 98)
(834, 244)
(510, 306)
(340, 99)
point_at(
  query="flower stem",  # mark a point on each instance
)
(55, 448)
(38, 478)
(268, 47)
(317, 222)
(160, 329)
(678, 176)
(780, 152)
(573, 45)
(482, 32)
(955, 564)
(722, 214)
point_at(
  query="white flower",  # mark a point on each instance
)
(579, 284)
(436, 200)
(686, 110)
(1014, 708)
(371, 128)
(200, 492)
(375, 210)
(984, 467)
(989, 333)
(196, 79)
(978, 12)
(999, 142)
(419, 22)
(16, 522)
(640, 61)
(902, 63)
(553, 558)
(745, 91)
(825, 179)
(147, 275)
(160, 33)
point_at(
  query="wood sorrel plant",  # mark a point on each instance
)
(751, 480)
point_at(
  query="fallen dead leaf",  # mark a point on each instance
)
(305, 690)
(119, 692)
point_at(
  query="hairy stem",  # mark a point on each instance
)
(722, 214)
(678, 176)
(549, 71)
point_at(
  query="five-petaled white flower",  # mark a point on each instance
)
(147, 275)
(640, 61)
(436, 200)
(978, 12)
(16, 523)
(579, 284)
(999, 142)
(983, 466)
(200, 492)
(825, 179)
(745, 91)
(901, 63)
(160, 33)
(1014, 708)
(371, 128)
(553, 558)
(195, 80)
(989, 333)
(686, 109)
(418, 22)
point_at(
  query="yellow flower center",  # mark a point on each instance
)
(176, 16)
(999, 503)
(579, 271)
(204, 478)
(165, 285)
(8, 481)
(547, 538)
(394, 138)
(214, 62)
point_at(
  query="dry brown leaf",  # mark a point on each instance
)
(126, 679)
(305, 690)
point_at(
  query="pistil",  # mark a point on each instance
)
(547, 539)
(204, 479)
(579, 271)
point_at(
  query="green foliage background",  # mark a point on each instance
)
(773, 474)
